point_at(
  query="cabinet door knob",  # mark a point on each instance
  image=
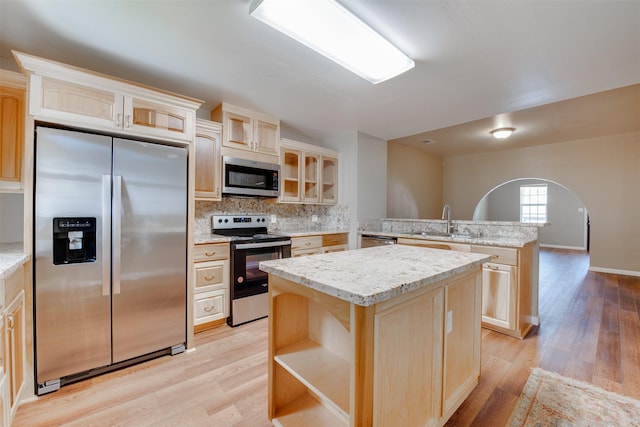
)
(118, 120)
(10, 321)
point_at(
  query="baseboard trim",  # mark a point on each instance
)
(534, 320)
(615, 271)
(572, 248)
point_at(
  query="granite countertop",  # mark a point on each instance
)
(372, 275)
(12, 257)
(205, 238)
(507, 242)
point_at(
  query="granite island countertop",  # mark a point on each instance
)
(372, 275)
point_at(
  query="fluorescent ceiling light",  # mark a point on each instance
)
(502, 133)
(328, 28)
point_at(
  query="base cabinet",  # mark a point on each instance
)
(12, 344)
(509, 284)
(319, 244)
(211, 285)
(408, 361)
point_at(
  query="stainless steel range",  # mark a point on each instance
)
(250, 244)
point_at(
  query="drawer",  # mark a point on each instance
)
(499, 255)
(210, 306)
(13, 285)
(303, 252)
(308, 242)
(334, 248)
(211, 252)
(335, 239)
(211, 273)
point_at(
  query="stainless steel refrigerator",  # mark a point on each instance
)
(110, 221)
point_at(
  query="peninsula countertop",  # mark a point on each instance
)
(501, 241)
(368, 276)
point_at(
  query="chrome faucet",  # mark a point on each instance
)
(446, 214)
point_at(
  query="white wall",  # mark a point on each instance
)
(11, 217)
(372, 177)
(604, 172)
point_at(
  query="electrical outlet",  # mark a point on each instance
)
(273, 218)
(314, 218)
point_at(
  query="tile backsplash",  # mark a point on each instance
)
(289, 217)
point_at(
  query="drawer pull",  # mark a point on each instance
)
(209, 309)
(209, 253)
(208, 278)
(307, 243)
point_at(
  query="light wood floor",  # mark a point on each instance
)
(590, 331)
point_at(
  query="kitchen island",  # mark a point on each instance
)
(381, 336)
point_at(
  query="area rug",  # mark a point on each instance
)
(549, 399)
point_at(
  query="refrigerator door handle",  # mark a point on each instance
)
(106, 237)
(117, 229)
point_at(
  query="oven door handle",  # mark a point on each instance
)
(262, 245)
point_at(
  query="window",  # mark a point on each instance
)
(533, 203)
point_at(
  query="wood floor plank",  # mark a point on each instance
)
(590, 331)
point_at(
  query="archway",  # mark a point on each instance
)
(566, 213)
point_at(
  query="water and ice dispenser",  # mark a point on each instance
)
(74, 240)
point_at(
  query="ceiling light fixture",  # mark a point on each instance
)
(328, 28)
(502, 133)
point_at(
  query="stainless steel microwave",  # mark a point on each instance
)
(249, 178)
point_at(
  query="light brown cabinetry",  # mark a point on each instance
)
(399, 362)
(248, 131)
(207, 160)
(509, 286)
(12, 315)
(68, 95)
(12, 125)
(11, 133)
(309, 173)
(211, 285)
(318, 244)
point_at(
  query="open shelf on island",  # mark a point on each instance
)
(321, 371)
(307, 411)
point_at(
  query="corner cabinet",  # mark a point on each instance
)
(12, 114)
(208, 160)
(211, 285)
(68, 95)
(248, 131)
(335, 363)
(309, 174)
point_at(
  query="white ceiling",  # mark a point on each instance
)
(474, 59)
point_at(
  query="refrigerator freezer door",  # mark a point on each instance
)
(149, 305)
(73, 331)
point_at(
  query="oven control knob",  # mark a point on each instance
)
(240, 279)
(219, 220)
(226, 221)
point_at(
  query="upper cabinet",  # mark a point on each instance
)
(68, 95)
(207, 160)
(309, 174)
(12, 113)
(248, 131)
